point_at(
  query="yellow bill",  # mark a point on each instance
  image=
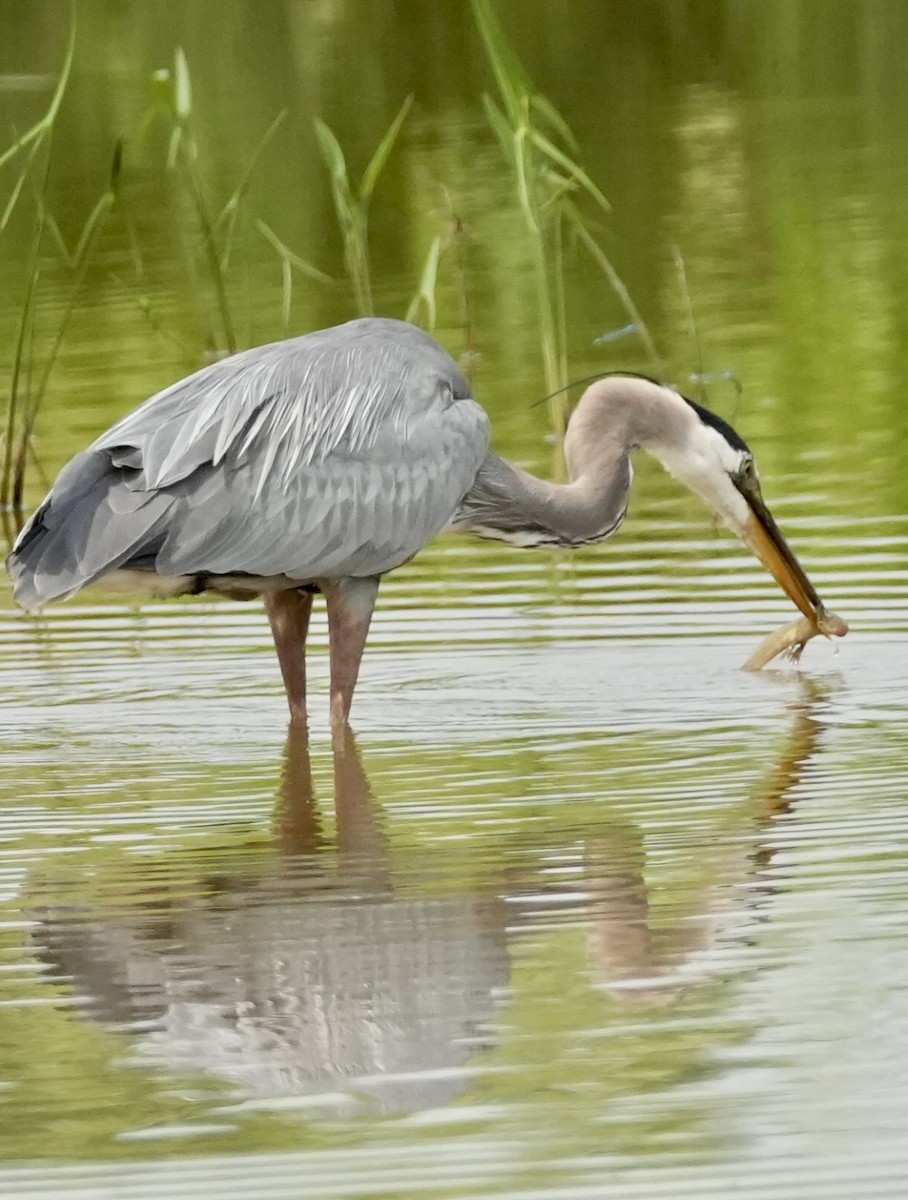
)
(765, 539)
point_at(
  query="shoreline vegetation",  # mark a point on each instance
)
(560, 206)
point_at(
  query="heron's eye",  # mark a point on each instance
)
(746, 474)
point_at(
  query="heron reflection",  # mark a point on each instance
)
(310, 979)
(332, 968)
(632, 964)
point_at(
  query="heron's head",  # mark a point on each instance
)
(708, 456)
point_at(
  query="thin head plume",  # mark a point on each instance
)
(595, 378)
(706, 414)
(724, 377)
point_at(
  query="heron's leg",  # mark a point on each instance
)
(350, 603)
(289, 614)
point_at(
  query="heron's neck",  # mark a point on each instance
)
(612, 417)
(511, 505)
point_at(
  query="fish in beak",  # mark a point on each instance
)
(716, 464)
(760, 532)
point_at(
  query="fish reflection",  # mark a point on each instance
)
(326, 969)
(316, 979)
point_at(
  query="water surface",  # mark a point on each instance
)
(583, 910)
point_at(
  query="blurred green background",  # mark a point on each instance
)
(763, 139)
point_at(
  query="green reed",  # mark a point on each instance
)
(17, 443)
(78, 261)
(174, 94)
(352, 201)
(218, 228)
(290, 262)
(556, 196)
(43, 128)
(553, 194)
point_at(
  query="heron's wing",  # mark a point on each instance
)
(344, 516)
(341, 452)
(358, 389)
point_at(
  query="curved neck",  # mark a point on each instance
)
(621, 413)
(612, 417)
(511, 505)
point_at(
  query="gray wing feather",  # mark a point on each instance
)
(338, 453)
(78, 534)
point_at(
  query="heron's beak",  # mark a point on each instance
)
(764, 538)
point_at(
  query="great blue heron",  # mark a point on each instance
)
(319, 463)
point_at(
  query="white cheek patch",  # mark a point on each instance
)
(730, 458)
(704, 464)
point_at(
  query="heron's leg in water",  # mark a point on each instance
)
(289, 614)
(350, 603)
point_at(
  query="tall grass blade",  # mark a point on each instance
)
(182, 86)
(601, 258)
(425, 295)
(545, 174)
(173, 147)
(383, 151)
(548, 180)
(574, 170)
(58, 238)
(301, 264)
(228, 214)
(184, 149)
(352, 211)
(197, 190)
(549, 113)
(559, 305)
(500, 126)
(25, 319)
(81, 261)
(457, 236)
(352, 219)
(46, 122)
(513, 82)
(286, 291)
(20, 182)
(351, 203)
(99, 211)
(523, 166)
(116, 168)
(699, 376)
(332, 153)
